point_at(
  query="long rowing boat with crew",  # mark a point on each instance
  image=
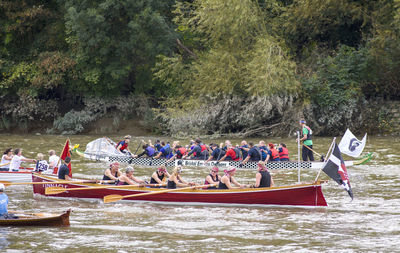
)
(151, 162)
(306, 195)
(37, 219)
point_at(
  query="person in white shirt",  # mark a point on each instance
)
(6, 160)
(42, 165)
(54, 160)
(18, 159)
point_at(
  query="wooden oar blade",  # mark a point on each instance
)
(112, 198)
(6, 183)
(54, 190)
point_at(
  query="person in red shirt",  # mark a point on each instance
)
(230, 154)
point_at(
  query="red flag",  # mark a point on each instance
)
(66, 153)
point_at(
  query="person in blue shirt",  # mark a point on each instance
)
(264, 150)
(165, 151)
(3, 205)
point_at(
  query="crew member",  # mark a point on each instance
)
(253, 155)
(263, 178)
(231, 154)
(217, 152)
(148, 150)
(283, 152)
(4, 204)
(42, 165)
(228, 178)
(18, 159)
(113, 172)
(165, 151)
(63, 171)
(263, 147)
(180, 152)
(122, 146)
(160, 175)
(213, 178)
(175, 180)
(306, 152)
(128, 178)
(272, 154)
(54, 160)
(199, 151)
(6, 159)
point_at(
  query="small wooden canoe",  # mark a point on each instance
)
(39, 219)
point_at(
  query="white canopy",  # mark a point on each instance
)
(102, 146)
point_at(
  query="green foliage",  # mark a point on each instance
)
(235, 59)
(334, 89)
(115, 42)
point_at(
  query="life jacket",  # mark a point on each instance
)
(309, 135)
(284, 153)
(238, 153)
(150, 151)
(182, 152)
(124, 146)
(167, 151)
(274, 154)
(203, 147)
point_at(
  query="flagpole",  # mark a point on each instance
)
(62, 152)
(298, 157)
(327, 158)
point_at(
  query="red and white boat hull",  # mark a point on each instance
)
(308, 195)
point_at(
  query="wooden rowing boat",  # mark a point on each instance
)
(309, 195)
(150, 162)
(39, 219)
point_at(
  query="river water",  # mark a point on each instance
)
(370, 223)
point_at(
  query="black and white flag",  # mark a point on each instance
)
(350, 145)
(336, 169)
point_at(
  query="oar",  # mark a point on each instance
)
(138, 147)
(57, 190)
(1, 165)
(7, 183)
(311, 149)
(113, 198)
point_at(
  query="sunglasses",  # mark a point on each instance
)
(214, 171)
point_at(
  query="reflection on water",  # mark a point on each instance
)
(369, 223)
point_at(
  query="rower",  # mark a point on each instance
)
(217, 152)
(263, 178)
(148, 150)
(231, 154)
(199, 151)
(272, 154)
(113, 172)
(3, 205)
(54, 160)
(63, 171)
(212, 178)
(180, 152)
(263, 147)
(165, 151)
(6, 159)
(175, 179)
(160, 175)
(253, 155)
(18, 159)
(283, 152)
(228, 178)
(42, 165)
(122, 146)
(244, 148)
(128, 178)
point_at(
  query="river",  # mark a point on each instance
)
(370, 223)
